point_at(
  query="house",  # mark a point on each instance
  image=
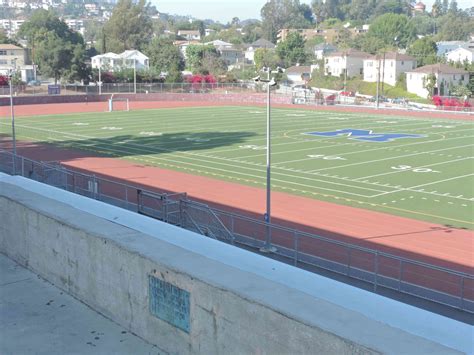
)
(350, 63)
(323, 49)
(231, 55)
(448, 46)
(183, 46)
(299, 74)
(446, 77)
(127, 60)
(418, 8)
(461, 55)
(192, 35)
(391, 65)
(258, 44)
(220, 44)
(16, 58)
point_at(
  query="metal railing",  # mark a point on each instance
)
(302, 249)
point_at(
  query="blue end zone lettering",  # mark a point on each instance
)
(365, 135)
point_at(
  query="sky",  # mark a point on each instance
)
(225, 10)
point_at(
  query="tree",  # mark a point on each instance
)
(393, 30)
(455, 27)
(201, 28)
(445, 7)
(429, 83)
(437, 9)
(319, 11)
(265, 58)
(424, 50)
(129, 27)
(392, 7)
(278, 14)
(5, 39)
(292, 50)
(453, 7)
(53, 55)
(424, 24)
(43, 21)
(164, 56)
(58, 51)
(212, 63)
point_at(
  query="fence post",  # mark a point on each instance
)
(126, 197)
(400, 274)
(296, 246)
(349, 256)
(376, 271)
(462, 293)
(22, 166)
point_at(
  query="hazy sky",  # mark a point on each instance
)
(225, 10)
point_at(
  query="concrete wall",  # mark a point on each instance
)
(240, 303)
(225, 97)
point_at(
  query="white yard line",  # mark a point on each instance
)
(437, 182)
(413, 189)
(422, 166)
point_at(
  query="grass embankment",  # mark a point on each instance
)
(365, 88)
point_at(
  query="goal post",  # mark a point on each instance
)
(118, 104)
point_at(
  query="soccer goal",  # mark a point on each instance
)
(118, 104)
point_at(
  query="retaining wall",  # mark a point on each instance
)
(194, 295)
(229, 98)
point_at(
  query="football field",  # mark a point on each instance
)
(414, 167)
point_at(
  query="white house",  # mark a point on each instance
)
(192, 35)
(461, 55)
(299, 74)
(391, 66)
(446, 78)
(127, 60)
(448, 46)
(220, 44)
(350, 62)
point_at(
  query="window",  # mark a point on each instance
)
(3, 52)
(13, 61)
(462, 77)
(3, 61)
(403, 63)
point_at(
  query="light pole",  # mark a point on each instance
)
(12, 109)
(267, 248)
(12, 113)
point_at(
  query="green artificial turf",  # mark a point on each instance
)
(429, 178)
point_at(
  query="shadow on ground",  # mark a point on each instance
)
(149, 143)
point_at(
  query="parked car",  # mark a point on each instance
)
(381, 99)
(331, 99)
(400, 101)
(347, 93)
(34, 83)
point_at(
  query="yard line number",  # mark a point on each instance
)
(414, 169)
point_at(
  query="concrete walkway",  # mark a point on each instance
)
(38, 318)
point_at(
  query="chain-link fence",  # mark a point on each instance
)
(305, 250)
